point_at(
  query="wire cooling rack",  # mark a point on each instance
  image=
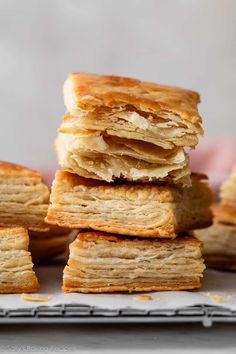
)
(207, 315)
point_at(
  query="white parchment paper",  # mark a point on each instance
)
(222, 284)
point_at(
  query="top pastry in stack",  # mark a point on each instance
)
(122, 147)
(126, 129)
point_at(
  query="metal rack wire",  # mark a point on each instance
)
(207, 315)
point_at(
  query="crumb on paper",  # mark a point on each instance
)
(216, 298)
(35, 298)
(143, 297)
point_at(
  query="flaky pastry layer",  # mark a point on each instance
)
(218, 239)
(16, 267)
(228, 190)
(111, 158)
(129, 209)
(219, 248)
(102, 262)
(24, 197)
(225, 214)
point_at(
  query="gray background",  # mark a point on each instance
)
(190, 43)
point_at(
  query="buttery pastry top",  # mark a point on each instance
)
(128, 108)
(88, 91)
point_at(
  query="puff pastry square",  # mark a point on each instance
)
(228, 190)
(220, 238)
(129, 209)
(225, 213)
(24, 197)
(166, 116)
(219, 248)
(102, 262)
(16, 267)
(118, 128)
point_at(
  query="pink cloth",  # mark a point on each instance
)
(214, 157)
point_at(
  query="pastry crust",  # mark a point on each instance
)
(228, 190)
(179, 284)
(225, 214)
(225, 211)
(24, 200)
(221, 262)
(129, 209)
(219, 248)
(16, 267)
(101, 262)
(220, 239)
(118, 128)
(24, 197)
(127, 108)
(111, 158)
(12, 170)
(87, 91)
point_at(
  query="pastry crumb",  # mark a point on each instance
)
(216, 298)
(143, 297)
(35, 298)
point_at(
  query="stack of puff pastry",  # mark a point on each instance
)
(220, 238)
(126, 183)
(24, 201)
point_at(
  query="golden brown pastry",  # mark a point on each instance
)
(16, 267)
(225, 211)
(121, 128)
(225, 214)
(24, 197)
(220, 238)
(102, 262)
(219, 248)
(166, 116)
(129, 209)
(228, 190)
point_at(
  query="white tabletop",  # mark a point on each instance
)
(138, 338)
